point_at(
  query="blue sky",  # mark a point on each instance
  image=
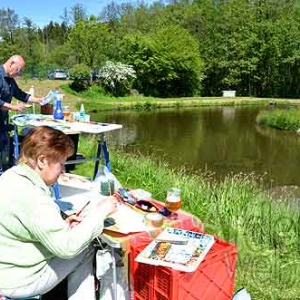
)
(42, 12)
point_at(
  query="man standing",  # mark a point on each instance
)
(12, 68)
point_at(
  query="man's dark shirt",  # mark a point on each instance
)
(8, 89)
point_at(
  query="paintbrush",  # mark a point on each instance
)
(81, 210)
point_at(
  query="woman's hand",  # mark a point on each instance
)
(109, 204)
(73, 220)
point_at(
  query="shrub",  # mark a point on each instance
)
(81, 78)
(116, 78)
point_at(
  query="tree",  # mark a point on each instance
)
(90, 40)
(31, 48)
(77, 13)
(9, 22)
(167, 63)
(6, 50)
(81, 77)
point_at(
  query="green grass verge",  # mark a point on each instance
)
(95, 100)
(285, 119)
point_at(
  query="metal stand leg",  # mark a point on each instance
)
(102, 147)
(114, 266)
(98, 159)
(16, 145)
(106, 155)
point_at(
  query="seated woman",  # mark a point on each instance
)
(38, 249)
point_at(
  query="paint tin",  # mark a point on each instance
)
(154, 219)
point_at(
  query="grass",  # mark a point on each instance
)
(236, 209)
(280, 118)
(95, 100)
(42, 87)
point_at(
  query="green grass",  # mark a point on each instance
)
(285, 119)
(237, 210)
(95, 99)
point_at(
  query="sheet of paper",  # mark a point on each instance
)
(47, 99)
(72, 199)
(127, 220)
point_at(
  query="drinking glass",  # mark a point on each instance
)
(173, 201)
(67, 113)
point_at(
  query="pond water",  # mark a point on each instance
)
(219, 139)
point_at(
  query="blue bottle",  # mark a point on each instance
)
(58, 112)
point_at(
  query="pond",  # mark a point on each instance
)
(222, 140)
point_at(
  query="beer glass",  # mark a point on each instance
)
(67, 113)
(173, 201)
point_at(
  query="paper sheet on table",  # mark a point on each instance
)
(127, 220)
(73, 202)
(47, 99)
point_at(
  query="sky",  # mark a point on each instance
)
(41, 12)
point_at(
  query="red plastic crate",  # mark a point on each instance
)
(213, 280)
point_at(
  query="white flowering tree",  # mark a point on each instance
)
(116, 78)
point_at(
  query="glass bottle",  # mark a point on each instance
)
(58, 112)
(82, 113)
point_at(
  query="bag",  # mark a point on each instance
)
(106, 182)
(104, 273)
(242, 294)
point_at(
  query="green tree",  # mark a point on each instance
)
(167, 63)
(31, 48)
(6, 50)
(81, 77)
(9, 22)
(289, 64)
(77, 13)
(90, 41)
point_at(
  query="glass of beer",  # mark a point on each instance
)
(173, 201)
(67, 113)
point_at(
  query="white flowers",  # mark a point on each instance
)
(116, 77)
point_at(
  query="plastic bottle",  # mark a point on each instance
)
(58, 112)
(82, 113)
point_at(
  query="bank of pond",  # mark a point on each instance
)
(236, 209)
(149, 103)
(280, 118)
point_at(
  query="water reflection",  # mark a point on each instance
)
(223, 140)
